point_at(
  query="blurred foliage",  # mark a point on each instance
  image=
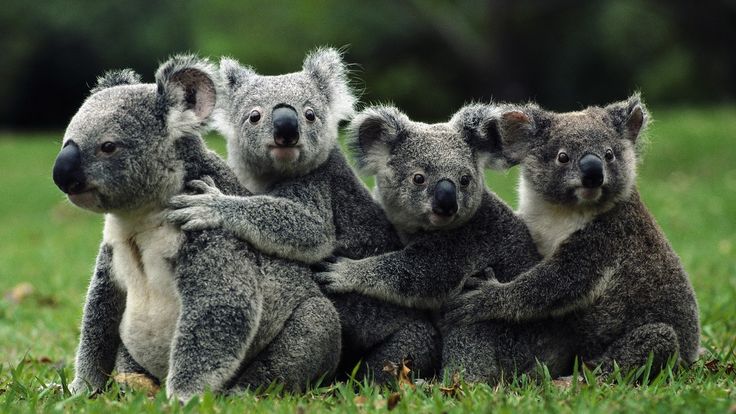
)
(427, 56)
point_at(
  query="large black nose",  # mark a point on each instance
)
(285, 126)
(591, 169)
(68, 174)
(444, 202)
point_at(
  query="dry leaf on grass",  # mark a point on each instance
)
(138, 382)
(19, 292)
(393, 400)
(455, 389)
(360, 400)
(402, 372)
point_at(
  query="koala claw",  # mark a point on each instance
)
(463, 310)
(204, 186)
(194, 218)
(331, 277)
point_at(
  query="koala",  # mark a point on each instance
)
(608, 273)
(308, 204)
(430, 182)
(196, 309)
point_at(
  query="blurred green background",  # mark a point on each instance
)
(428, 57)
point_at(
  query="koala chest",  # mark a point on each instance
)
(143, 266)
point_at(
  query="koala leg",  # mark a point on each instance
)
(490, 351)
(632, 350)
(126, 364)
(307, 348)
(471, 351)
(417, 338)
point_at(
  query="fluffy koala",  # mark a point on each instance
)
(282, 143)
(608, 271)
(198, 309)
(430, 182)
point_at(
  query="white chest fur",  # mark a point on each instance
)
(548, 224)
(143, 249)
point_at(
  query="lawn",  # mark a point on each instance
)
(48, 247)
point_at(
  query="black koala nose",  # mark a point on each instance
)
(285, 126)
(68, 175)
(591, 169)
(444, 202)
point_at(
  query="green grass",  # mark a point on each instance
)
(688, 180)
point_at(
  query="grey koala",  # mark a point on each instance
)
(198, 309)
(608, 273)
(430, 182)
(282, 143)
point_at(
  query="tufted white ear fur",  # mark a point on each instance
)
(372, 133)
(330, 72)
(187, 92)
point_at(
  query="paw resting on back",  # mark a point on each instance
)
(198, 211)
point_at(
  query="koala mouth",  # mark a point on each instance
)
(441, 221)
(588, 195)
(284, 154)
(86, 199)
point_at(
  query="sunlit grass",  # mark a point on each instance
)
(688, 180)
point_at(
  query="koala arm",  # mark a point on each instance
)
(99, 341)
(294, 222)
(221, 306)
(423, 274)
(572, 277)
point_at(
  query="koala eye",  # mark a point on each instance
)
(609, 155)
(255, 116)
(465, 180)
(418, 179)
(108, 147)
(563, 158)
(309, 114)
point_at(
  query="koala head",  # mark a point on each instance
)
(283, 125)
(118, 150)
(428, 176)
(584, 159)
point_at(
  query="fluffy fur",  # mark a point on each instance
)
(196, 309)
(310, 205)
(440, 252)
(609, 274)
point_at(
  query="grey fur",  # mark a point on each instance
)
(196, 309)
(312, 206)
(609, 274)
(439, 255)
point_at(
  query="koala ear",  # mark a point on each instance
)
(372, 134)
(330, 72)
(629, 117)
(512, 130)
(476, 122)
(115, 78)
(233, 75)
(186, 89)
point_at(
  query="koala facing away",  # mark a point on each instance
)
(430, 182)
(309, 204)
(198, 309)
(608, 271)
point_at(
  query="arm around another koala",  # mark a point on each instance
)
(565, 281)
(423, 274)
(100, 339)
(294, 223)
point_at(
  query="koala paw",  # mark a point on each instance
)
(473, 305)
(78, 386)
(196, 211)
(332, 275)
